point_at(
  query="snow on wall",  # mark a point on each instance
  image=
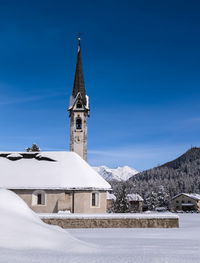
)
(107, 216)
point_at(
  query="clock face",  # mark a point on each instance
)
(77, 139)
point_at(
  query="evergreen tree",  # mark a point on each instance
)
(34, 148)
(121, 204)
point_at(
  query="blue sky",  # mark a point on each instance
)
(141, 68)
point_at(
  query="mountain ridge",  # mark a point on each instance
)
(190, 155)
(116, 174)
(179, 175)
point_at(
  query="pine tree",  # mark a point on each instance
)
(34, 148)
(121, 204)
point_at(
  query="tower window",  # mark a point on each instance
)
(78, 124)
(79, 105)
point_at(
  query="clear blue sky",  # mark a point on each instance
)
(141, 64)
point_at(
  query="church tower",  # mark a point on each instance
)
(79, 111)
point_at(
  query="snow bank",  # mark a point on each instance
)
(21, 228)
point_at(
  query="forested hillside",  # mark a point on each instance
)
(158, 185)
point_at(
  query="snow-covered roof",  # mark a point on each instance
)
(192, 195)
(134, 197)
(48, 170)
(73, 100)
(110, 196)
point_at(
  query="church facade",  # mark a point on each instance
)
(50, 182)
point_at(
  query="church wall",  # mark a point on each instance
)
(52, 200)
(82, 203)
(57, 200)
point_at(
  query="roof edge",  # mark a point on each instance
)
(59, 188)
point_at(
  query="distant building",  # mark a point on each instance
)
(135, 202)
(186, 202)
(111, 198)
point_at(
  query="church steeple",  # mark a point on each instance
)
(79, 111)
(79, 84)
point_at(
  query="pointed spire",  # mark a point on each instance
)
(79, 84)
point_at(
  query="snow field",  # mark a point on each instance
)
(24, 238)
(175, 245)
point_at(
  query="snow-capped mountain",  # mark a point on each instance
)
(119, 174)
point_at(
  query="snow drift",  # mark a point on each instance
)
(21, 228)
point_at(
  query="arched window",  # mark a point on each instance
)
(39, 197)
(78, 124)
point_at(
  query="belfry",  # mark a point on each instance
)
(79, 111)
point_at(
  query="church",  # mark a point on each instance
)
(50, 182)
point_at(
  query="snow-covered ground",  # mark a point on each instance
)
(24, 238)
(179, 245)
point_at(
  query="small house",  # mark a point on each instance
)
(186, 202)
(111, 198)
(135, 202)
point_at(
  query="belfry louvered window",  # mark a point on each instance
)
(78, 124)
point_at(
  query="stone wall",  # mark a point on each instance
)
(114, 223)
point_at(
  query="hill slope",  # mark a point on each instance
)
(188, 157)
(179, 175)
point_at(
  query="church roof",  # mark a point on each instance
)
(79, 84)
(48, 170)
